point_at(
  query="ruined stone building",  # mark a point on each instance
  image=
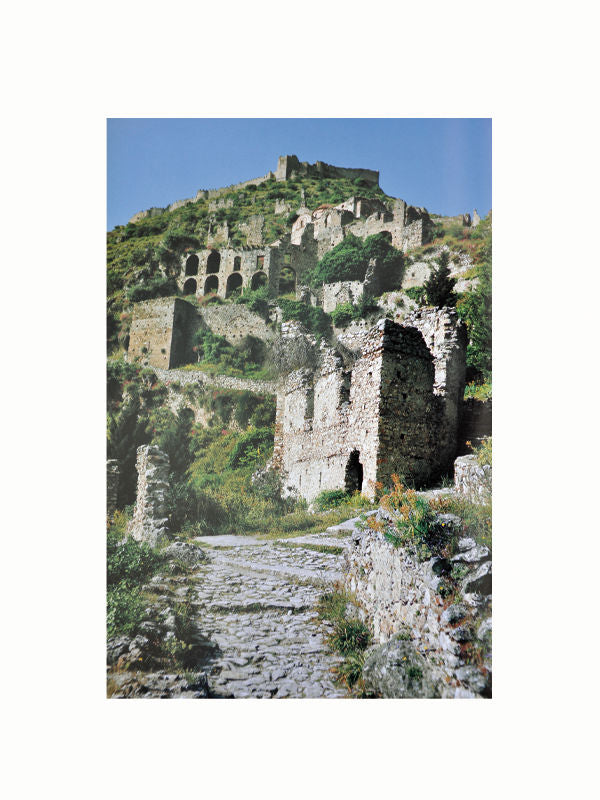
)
(395, 410)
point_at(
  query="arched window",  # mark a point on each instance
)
(237, 263)
(258, 279)
(287, 280)
(189, 287)
(191, 265)
(354, 473)
(214, 262)
(234, 284)
(211, 285)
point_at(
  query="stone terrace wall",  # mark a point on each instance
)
(233, 322)
(399, 594)
(150, 517)
(185, 377)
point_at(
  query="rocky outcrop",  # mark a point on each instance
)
(150, 519)
(473, 480)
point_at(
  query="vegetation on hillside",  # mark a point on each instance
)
(141, 256)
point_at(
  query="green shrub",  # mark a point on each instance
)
(342, 315)
(330, 499)
(125, 609)
(250, 446)
(129, 562)
(312, 317)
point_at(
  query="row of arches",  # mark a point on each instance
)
(213, 264)
(234, 284)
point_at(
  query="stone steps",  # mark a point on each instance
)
(256, 602)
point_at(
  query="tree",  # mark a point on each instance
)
(127, 430)
(439, 287)
(475, 309)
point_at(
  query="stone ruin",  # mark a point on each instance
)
(396, 409)
(150, 520)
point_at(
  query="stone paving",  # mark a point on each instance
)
(256, 603)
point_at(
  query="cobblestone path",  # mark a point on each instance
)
(256, 603)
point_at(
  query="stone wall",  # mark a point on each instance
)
(161, 332)
(112, 486)
(446, 338)
(185, 377)
(392, 408)
(472, 480)
(398, 593)
(288, 166)
(341, 292)
(234, 322)
(150, 516)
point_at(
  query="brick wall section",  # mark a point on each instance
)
(150, 516)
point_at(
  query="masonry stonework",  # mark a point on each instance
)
(161, 332)
(393, 411)
(150, 520)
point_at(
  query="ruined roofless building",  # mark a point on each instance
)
(396, 411)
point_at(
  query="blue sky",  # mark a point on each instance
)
(442, 164)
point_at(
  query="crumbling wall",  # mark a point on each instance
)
(252, 229)
(341, 292)
(150, 520)
(446, 338)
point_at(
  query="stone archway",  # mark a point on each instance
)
(211, 285)
(191, 265)
(190, 286)
(354, 473)
(234, 284)
(259, 279)
(213, 263)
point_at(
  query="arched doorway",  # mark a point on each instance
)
(287, 280)
(354, 473)
(213, 263)
(234, 284)
(189, 287)
(259, 279)
(211, 285)
(191, 265)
